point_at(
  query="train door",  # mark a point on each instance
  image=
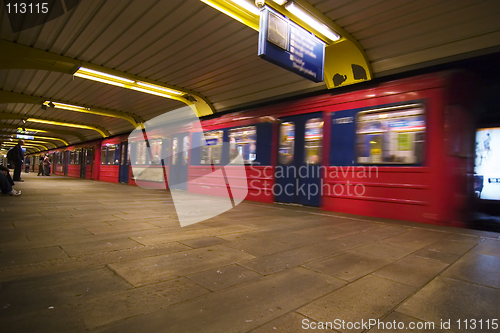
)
(83, 163)
(124, 165)
(298, 172)
(179, 162)
(66, 157)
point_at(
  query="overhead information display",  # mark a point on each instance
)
(290, 46)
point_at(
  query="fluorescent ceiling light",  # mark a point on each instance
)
(93, 72)
(280, 2)
(312, 21)
(99, 79)
(247, 6)
(152, 86)
(144, 87)
(66, 106)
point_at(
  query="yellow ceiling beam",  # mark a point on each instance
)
(33, 131)
(51, 138)
(25, 118)
(12, 144)
(133, 119)
(237, 12)
(80, 137)
(16, 56)
(39, 139)
(98, 129)
(345, 62)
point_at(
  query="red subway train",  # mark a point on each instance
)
(402, 150)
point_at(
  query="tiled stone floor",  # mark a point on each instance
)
(85, 256)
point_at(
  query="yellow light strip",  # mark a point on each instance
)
(152, 86)
(234, 11)
(312, 21)
(66, 106)
(50, 122)
(33, 145)
(144, 87)
(247, 6)
(113, 77)
(21, 131)
(157, 93)
(26, 141)
(52, 138)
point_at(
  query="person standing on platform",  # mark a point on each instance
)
(16, 155)
(40, 165)
(46, 165)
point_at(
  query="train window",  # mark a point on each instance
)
(243, 141)
(114, 154)
(77, 156)
(287, 139)
(175, 149)
(111, 154)
(391, 136)
(211, 147)
(185, 150)
(155, 146)
(313, 141)
(104, 155)
(123, 155)
(140, 157)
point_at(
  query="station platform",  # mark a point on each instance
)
(87, 256)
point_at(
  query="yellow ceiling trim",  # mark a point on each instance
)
(51, 138)
(17, 56)
(101, 131)
(20, 129)
(12, 144)
(233, 10)
(197, 102)
(114, 114)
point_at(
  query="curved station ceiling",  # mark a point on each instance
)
(101, 68)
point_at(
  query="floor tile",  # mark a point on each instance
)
(451, 300)
(349, 265)
(160, 268)
(238, 309)
(477, 268)
(489, 247)
(100, 246)
(109, 307)
(413, 271)
(384, 250)
(204, 241)
(368, 298)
